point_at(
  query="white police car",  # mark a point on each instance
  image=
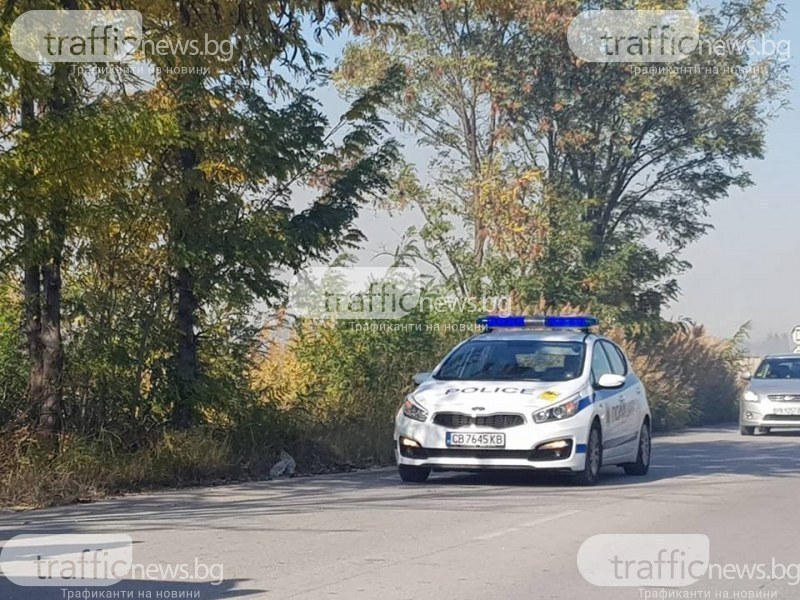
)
(527, 393)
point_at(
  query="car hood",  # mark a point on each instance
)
(775, 386)
(492, 396)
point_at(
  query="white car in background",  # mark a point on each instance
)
(772, 399)
(539, 393)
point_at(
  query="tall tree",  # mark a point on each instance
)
(619, 158)
(208, 148)
(65, 144)
(43, 233)
(249, 137)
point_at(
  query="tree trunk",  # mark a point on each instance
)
(32, 282)
(52, 346)
(49, 424)
(184, 224)
(187, 369)
(33, 325)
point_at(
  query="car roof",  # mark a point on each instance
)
(546, 335)
(782, 356)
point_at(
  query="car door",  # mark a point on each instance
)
(626, 412)
(607, 401)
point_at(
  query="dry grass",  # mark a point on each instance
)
(329, 399)
(690, 377)
(33, 476)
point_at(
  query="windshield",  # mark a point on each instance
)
(779, 368)
(514, 360)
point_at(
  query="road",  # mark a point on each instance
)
(464, 536)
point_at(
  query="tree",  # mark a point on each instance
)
(621, 159)
(225, 183)
(213, 166)
(44, 181)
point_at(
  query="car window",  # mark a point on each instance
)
(779, 368)
(600, 364)
(618, 364)
(509, 360)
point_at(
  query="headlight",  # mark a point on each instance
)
(413, 410)
(563, 410)
(751, 396)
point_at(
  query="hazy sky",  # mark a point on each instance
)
(747, 268)
(744, 270)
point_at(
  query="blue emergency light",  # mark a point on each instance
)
(555, 322)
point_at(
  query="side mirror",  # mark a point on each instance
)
(747, 376)
(610, 381)
(421, 378)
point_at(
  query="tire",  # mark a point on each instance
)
(744, 430)
(642, 464)
(411, 474)
(594, 458)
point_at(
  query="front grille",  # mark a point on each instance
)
(452, 420)
(476, 453)
(784, 397)
(460, 421)
(786, 418)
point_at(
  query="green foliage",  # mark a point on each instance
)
(621, 159)
(341, 382)
(12, 361)
(154, 219)
(151, 216)
(691, 378)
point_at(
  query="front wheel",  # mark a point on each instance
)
(744, 430)
(642, 464)
(594, 459)
(413, 474)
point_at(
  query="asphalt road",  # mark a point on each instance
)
(460, 536)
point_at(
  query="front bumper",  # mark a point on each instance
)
(519, 453)
(763, 414)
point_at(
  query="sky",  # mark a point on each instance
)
(744, 270)
(747, 268)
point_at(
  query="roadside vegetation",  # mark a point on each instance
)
(147, 225)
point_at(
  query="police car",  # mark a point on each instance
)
(540, 393)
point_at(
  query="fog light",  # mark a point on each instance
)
(412, 449)
(557, 445)
(748, 415)
(555, 450)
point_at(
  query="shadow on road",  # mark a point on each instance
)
(242, 508)
(237, 508)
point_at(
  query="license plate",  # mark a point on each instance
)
(476, 440)
(786, 410)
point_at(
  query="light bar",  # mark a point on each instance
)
(555, 322)
(571, 322)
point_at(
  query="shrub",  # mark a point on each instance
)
(12, 362)
(32, 475)
(340, 384)
(690, 377)
(327, 393)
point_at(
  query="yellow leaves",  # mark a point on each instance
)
(280, 378)
(361, 66)
(160, 100)
(221, 172)
(217, 103)
(507, 207)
